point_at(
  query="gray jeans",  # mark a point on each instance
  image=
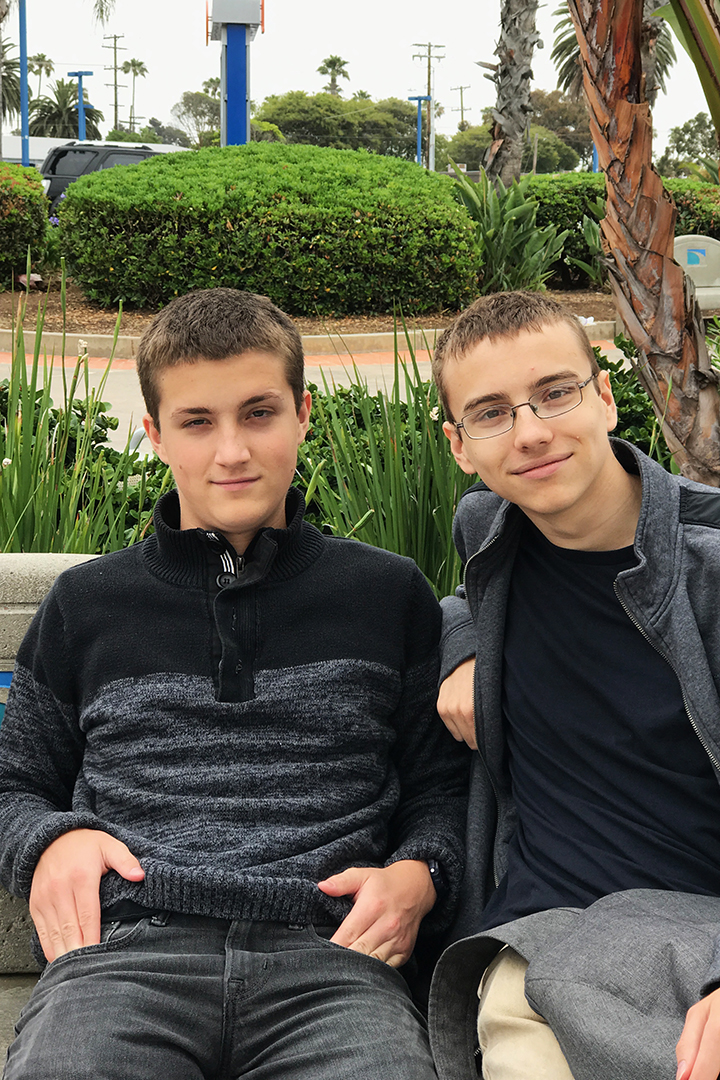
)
(191, 998)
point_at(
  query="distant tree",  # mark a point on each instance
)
(690, 142)
(211, 87)
(10, 81)
(56, 116)
(199, 115)
(262, 131)
(553, 154)
(336, 68)
(566, 117)
(469, 148)
(384, 127)
(361, 95)
(137, 69)
(40, 65)
(171, 136)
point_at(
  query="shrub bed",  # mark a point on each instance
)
(23, 219)
(316, 230)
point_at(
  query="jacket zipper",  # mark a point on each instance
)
(480, 551)
(669, 662)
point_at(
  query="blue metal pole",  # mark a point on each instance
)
(596, 163)
(24, 96)
(237, 64)
(82, 104)
(420, 99)
(81, 110)
(418, 152)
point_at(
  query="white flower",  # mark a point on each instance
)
(82, 346)
(6, 462)
(435, 413)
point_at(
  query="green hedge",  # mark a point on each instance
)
(23, 219)
(562, 201)
(316, 230)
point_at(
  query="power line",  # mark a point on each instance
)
(114, 68)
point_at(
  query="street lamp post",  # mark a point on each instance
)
(419, 98)
(24, 95)
(81, 102)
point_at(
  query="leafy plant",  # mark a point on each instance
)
(636, 420)
(332, 231)
(378, 467)
(61, 489)
(23, 218)
(514, 253)
(595, 269)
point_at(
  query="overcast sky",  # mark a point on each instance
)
(376, 37)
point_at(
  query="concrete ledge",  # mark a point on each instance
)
(24, 581)
(100, 345)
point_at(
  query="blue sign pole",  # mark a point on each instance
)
(24, 95)
(82, 104)
(237, 62)
(419, 99)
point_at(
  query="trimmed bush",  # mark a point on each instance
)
(563, 201)
(698, 206)
(316, 230)
(23, 219)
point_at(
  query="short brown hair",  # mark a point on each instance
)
(501, 315)
(215, 324)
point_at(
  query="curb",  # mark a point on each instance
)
(100, 345)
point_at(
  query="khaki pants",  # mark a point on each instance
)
(516, 1042)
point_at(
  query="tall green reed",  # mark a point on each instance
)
(378, 467)
(59, 491)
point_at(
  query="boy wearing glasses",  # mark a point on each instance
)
(591, 908)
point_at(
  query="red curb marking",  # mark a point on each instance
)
(327, 360)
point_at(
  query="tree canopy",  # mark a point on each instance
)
(198, 113)
(688, 143)
(469, 147)
(56, 115)
(384, 127)
(566, 118)
(336, 68)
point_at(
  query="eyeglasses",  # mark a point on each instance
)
(553, 400)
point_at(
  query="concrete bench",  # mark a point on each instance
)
(24, 581)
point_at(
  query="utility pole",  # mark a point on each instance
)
(430, 154)
(461, 110)
(114, 68)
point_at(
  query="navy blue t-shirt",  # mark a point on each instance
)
(613, 788)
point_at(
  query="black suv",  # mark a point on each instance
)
(66, 163)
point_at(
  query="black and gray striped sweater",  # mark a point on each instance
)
(246, 727)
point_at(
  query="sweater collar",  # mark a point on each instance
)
(183, 556)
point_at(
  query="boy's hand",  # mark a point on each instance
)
(388, 906)
(456, 703)
(698, 1049)
(65, 893)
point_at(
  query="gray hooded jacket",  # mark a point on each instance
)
(672, 595)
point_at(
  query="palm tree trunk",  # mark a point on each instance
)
(512, 75)
(653, 297)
